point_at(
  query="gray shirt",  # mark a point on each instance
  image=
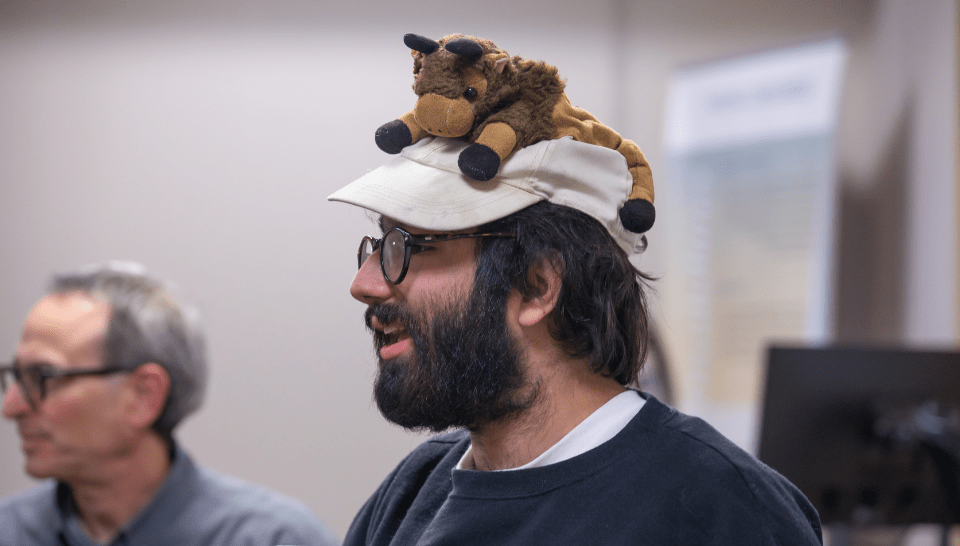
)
(194, 506)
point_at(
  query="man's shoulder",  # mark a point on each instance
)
(37, 500)
(238, 495)
(708, 445)
(440, 451)
(431, 452)
(690, 437)
(44, 493)
(226, 498)
(199, 505)
(693, 443)
(28, 516)
(423, 475)
(720, 471)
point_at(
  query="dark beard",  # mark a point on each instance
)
(465, 370)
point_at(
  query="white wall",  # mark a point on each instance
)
(202, 138)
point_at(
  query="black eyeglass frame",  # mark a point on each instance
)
(410, 240)
(44, 372)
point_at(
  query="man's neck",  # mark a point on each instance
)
(123, 487)
(565, 400)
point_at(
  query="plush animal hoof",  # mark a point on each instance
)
(637, 215)
(479, 162)
(394, 136)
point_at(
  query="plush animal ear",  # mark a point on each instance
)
(498, 61)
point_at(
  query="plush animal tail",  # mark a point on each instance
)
(639, 169)
(638, 213)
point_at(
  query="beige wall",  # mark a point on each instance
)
(203, 138)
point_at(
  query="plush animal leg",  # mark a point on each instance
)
(416, 132)
(499, 137)
(481, 160)
(394, 136)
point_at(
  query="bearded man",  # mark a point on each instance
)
(509, 311)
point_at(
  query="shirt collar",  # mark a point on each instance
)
(600, 426)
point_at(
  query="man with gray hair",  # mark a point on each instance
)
(108, 364)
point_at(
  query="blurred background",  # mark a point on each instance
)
(202, 138)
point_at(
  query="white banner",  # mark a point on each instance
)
(751, 158)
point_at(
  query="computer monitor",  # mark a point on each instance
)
(870, 435)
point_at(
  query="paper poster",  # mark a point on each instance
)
(751, 156)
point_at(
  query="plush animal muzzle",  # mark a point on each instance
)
(452, 116)
(444, 117)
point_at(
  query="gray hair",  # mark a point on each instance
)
(147, 324)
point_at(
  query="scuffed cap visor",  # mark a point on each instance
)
(423, 187)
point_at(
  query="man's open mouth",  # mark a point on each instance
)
(393, 333)
(393, 340)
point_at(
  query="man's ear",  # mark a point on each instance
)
(150, 386)
(546, 276)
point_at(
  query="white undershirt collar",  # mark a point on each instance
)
(599, 427)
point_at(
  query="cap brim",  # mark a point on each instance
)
(423, 187)
(418, 188)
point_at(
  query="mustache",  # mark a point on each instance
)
(390, 313)
(387, 313)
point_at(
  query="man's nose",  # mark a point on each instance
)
(14, 402)
(368, 285)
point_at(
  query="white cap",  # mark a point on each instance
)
(423, 187)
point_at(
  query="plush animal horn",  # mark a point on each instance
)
(420, 43)
(465, 47)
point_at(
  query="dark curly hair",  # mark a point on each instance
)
(601, 310)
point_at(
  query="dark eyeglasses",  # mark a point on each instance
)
(33, 379)
(397, 245)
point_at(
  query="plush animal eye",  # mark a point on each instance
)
(470, 93)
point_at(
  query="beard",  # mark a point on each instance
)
(465, 370)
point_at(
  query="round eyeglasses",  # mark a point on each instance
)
(33, 379)
(398, 244)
